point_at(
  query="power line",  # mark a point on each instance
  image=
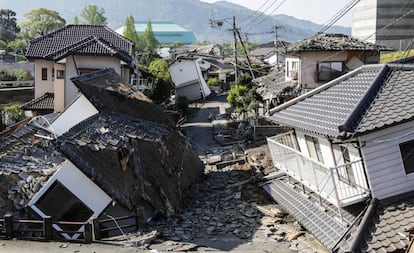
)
(339, 15)
(266, 16)
(256, 11)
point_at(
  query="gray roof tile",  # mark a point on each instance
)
(328, 107)
(81, 39)
(333, 42)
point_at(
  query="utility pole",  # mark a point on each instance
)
(275, 28)
(235, 48)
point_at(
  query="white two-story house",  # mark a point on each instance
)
(72, 51)
(346, 169)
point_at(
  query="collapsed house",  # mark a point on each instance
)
(346, 167)
(112, 152)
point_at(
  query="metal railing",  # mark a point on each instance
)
(14, 84)
(342, 185)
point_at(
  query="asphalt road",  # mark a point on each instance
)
(199, 128)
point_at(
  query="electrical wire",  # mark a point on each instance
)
(256, 11)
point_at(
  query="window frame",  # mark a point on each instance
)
(314, 148)
(60, 74)
(332, 72)
(407, 156)
(44, 74)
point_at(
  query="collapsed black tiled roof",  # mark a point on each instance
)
(130, 148)
(81, 39)
(369, 98)
(26, 162)
(105, 90)
(334, 42)
(42, 103)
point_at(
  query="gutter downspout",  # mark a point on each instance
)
(365, 222)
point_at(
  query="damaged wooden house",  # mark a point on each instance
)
(345, 170)
(111, 153)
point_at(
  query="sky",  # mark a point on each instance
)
(317, 11)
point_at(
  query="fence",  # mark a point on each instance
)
(45, 229)
(15, 84)
(327, 182)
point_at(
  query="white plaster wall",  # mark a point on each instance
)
(324, 143)
(75, 113)
(59, 89)
(183, 71)
(86, 62)
(80, 185)
(43, 86)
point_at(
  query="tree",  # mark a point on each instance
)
(75, 20)
(19, 46)
(129, 31)
(150, 41)
(163, 83)
(41, 22)
(93, 16)
(243, 99)
(8, 25)
(14, 113)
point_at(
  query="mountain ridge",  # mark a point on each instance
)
(193, 15)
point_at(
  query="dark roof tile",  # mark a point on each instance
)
(333, 42)
(42, 103)
(81, 39)
(333, 105)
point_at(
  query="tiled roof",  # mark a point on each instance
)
(393, 104)
(219, 64)
(369, 98)
(388, 228)
(42, 103)
(26, 162)
(334, 42)
(105, 90)
(81, 39)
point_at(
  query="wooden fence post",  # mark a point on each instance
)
(87, 234)
(8, 226)
(47, 228)
(96, 228)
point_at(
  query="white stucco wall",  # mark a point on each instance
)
(80, 186)
(324, 143)
(183, 71)
(59, 89)
(86, 62)
(75, 113)
(43, 86)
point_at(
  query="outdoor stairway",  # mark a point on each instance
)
(313, 218)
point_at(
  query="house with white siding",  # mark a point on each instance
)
(72, 51)
(351, 152)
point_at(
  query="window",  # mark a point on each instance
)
(53, 74)
(329, 70)
(314, 148)
(60, 74)
(44, 74)
(345, 173)
(407, 153)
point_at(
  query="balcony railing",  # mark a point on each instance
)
(342, 185)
